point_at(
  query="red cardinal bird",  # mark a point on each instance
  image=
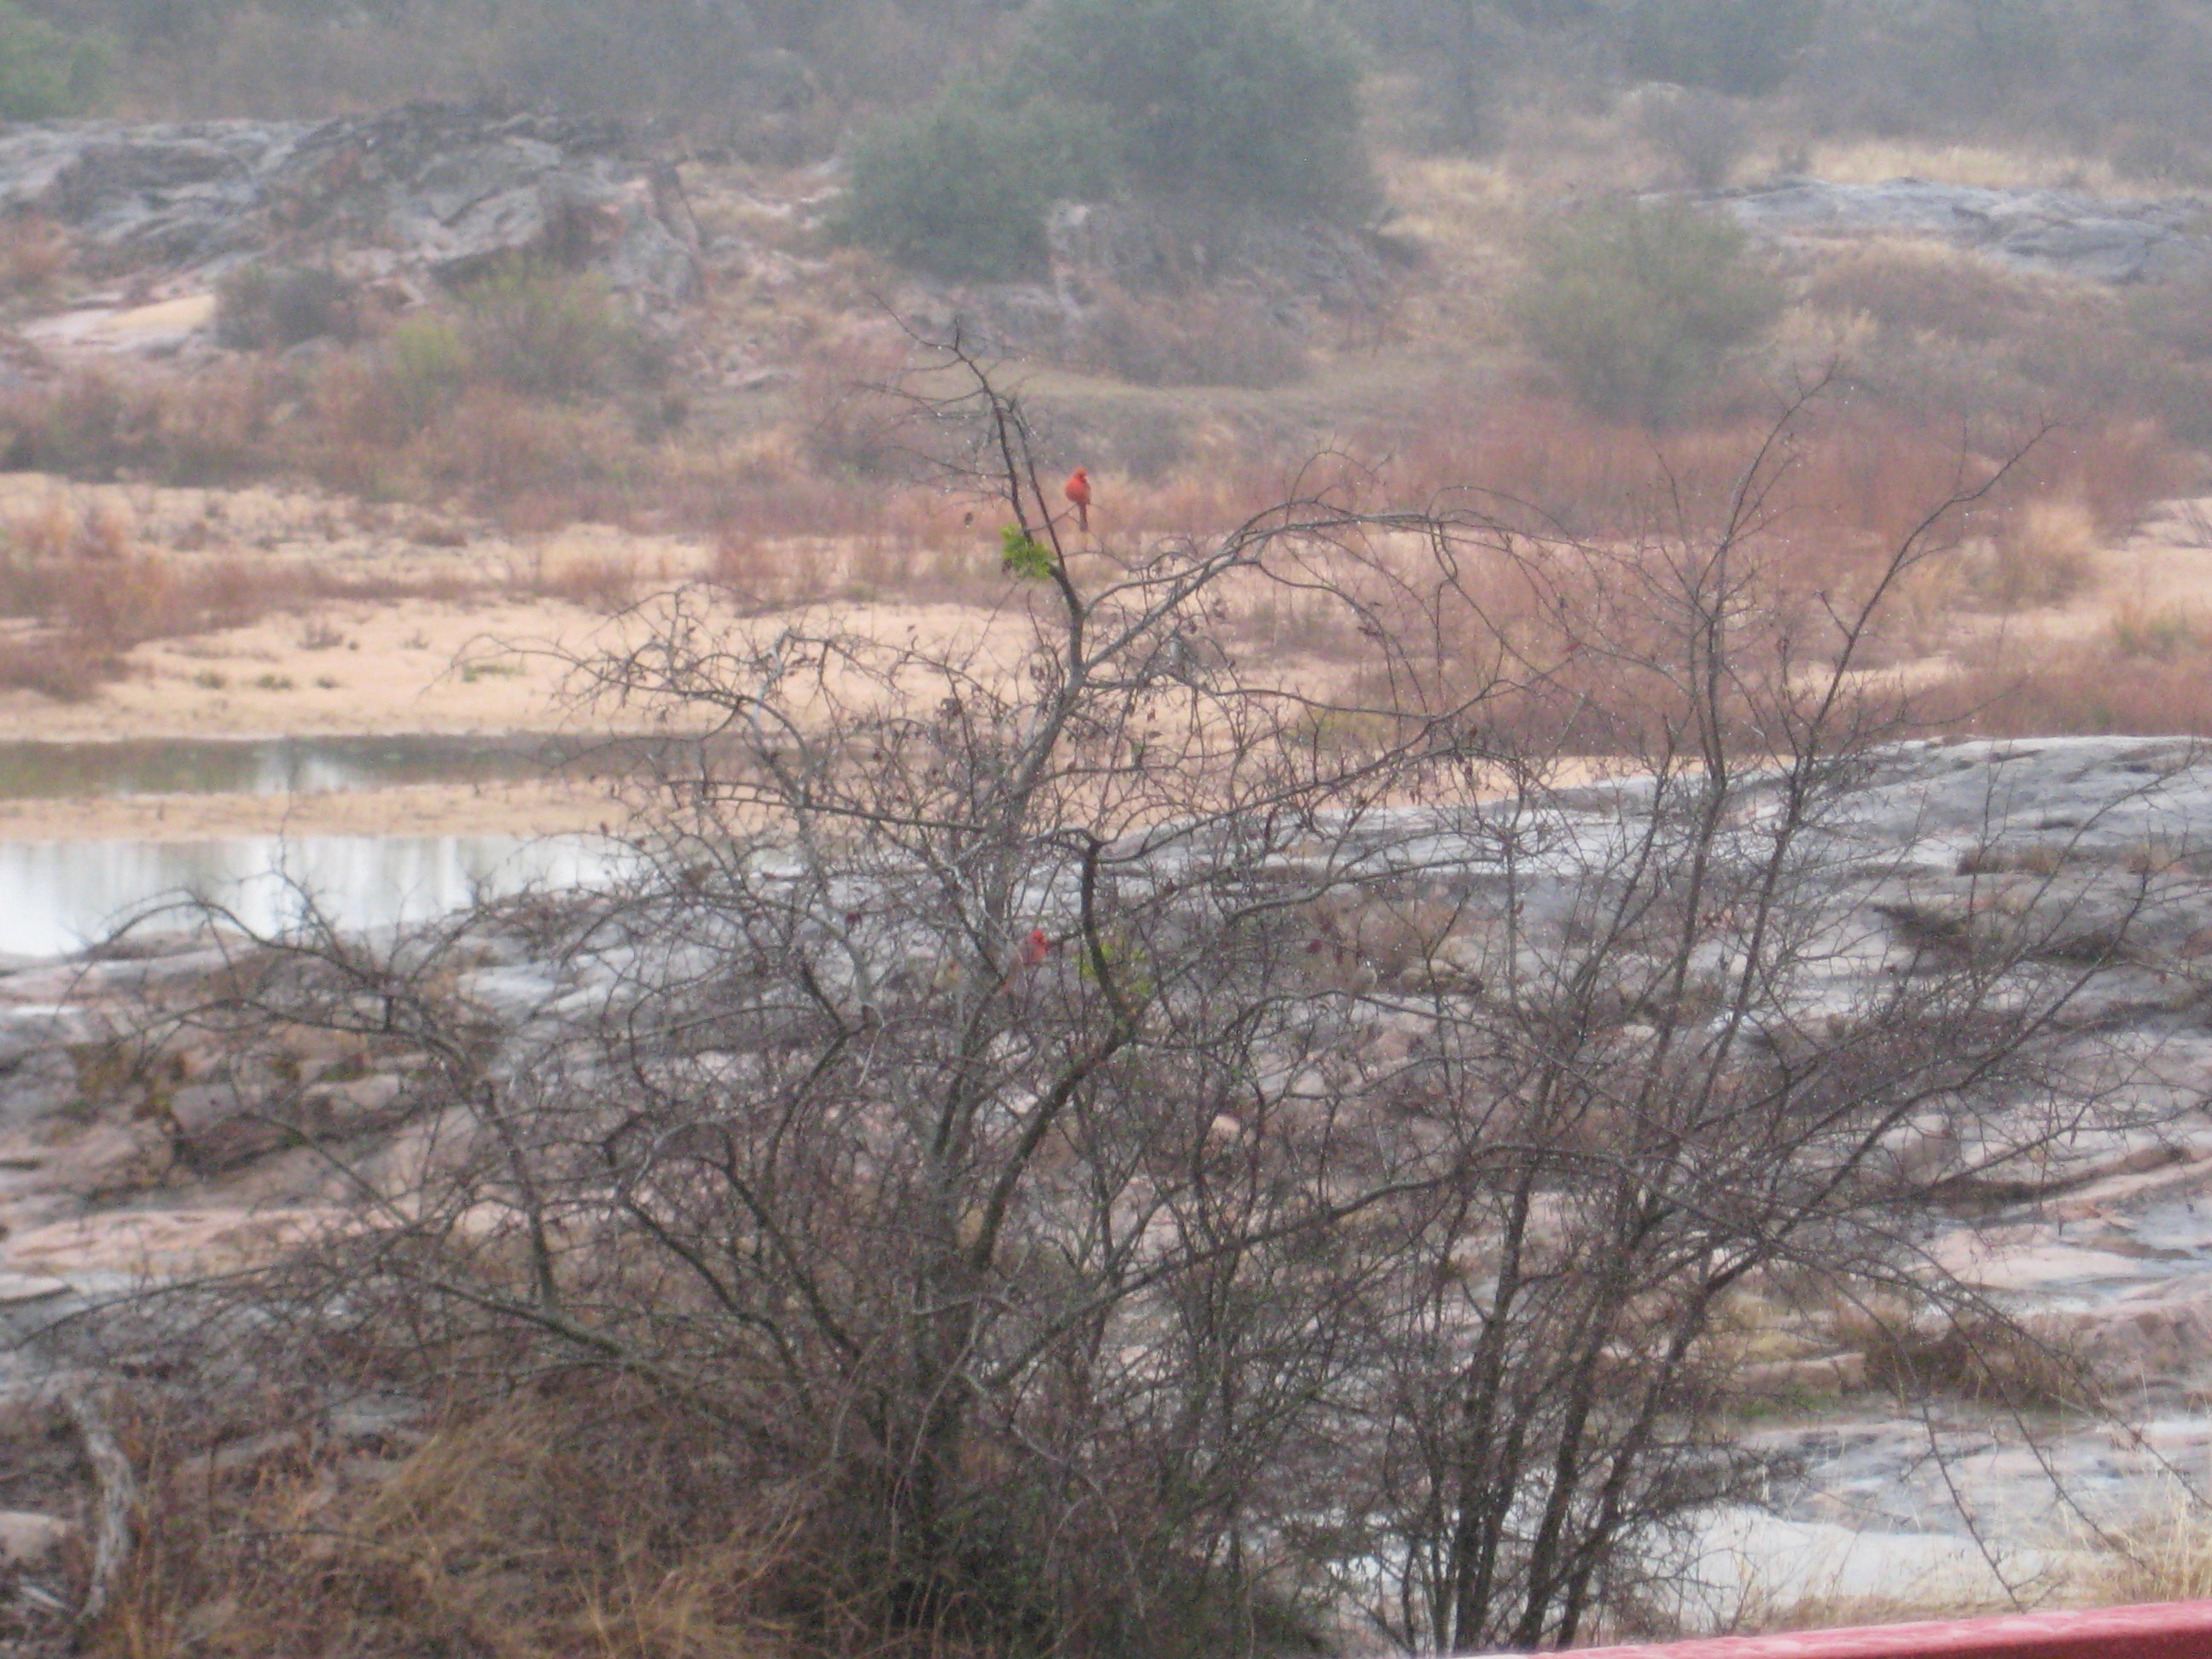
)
(1029, 954)
(1078, 491)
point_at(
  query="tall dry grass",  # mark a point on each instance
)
(78, 590)
(575, 1518)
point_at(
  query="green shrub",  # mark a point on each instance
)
(426, 366)
(1638, 308)
(1237, 101)
(546, 333)
(45, 73)
(1746, 47)
(960, 188)
(262, 308)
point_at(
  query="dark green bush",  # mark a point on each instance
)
(960, 188)
(1746, 47)
(46, 73)
(1237, 101)
(263, 308)
(548, 333)
(1638, 308)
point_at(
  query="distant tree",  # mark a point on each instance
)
(1638, 308)
(46, 72)
(960, 188)
(1746, 47)
(1248, 101)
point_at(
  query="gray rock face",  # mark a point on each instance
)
(437, 190)
(2110, 1253)
(2063, 232)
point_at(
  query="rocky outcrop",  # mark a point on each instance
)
(422, 193)
(119, 1165)
(2065, 232)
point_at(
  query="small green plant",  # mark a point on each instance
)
(426, 365)
(960, 188)
(1022, 555)
(490, 669)
(1637, 308)
(273, 683)
(2161, 634)
(208, 680)
(547, 333)
(45, 72)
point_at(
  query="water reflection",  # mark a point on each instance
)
(32, 769)
(55, 895)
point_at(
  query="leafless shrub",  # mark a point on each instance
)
(1118, 1145)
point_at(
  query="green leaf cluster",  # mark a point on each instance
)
(1025, 556)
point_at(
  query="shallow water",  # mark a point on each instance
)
(57, 896)
(39, 770)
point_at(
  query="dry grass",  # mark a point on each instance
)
(1221, 338)
(1914, 283)
(78, 590)
(1969, 1356)
(2164, 1555)
(35, 253)
(2148, 673)
(1863, 161)
(1771, 1610)
(571, 1521)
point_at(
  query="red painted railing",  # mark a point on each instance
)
(2174, 1630)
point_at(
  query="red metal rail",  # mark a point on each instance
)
(2173, 1629)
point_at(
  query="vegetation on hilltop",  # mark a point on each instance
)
(1227, 104)
(47, 72)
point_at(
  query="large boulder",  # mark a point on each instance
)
(427, 190)
(2095, 239)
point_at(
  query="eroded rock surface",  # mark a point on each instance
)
(425, 191)
(120, 1167)
(2063, 232)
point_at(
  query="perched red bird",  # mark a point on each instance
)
(1078, 491)
(1030, 953)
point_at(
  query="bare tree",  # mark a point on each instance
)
(1130, 1142)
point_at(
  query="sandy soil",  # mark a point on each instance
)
(2166, 566)
(494, 660)
(415, 666)
(492, 656)
(2163, 570)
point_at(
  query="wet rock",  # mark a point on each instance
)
(2158, 1334)
(36, 1088)
(26, 1032)
(2062, 232)
(217, 1128)
(28, 1539)
(111, 1158)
